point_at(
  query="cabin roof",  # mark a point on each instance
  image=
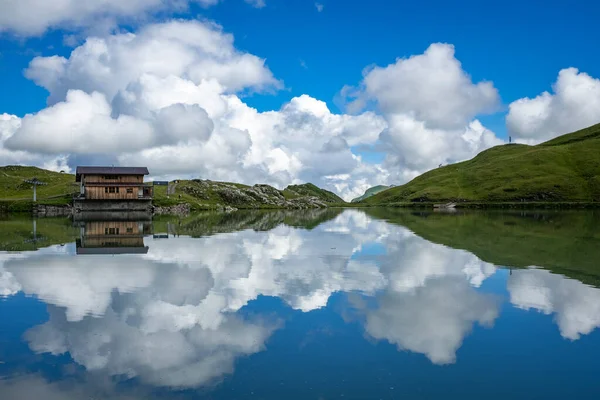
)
(109, 171)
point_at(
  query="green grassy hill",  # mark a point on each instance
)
(206, 194)
(370, 192)
(565, 169)
(308, 189)
(15, 192)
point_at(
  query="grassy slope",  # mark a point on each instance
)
(161, 198)
(564, 169)
(13, 189)
(308, 189)
(183, 195)
(370, 192)
(566, 242)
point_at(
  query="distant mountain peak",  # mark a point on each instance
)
(371, 192)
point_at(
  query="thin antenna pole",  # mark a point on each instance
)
(35, 182)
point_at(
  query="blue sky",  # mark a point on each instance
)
(519, 46)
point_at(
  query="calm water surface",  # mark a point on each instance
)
(375, 304)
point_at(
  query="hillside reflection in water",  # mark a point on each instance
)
(319, 304)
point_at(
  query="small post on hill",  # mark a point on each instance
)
(35, 182)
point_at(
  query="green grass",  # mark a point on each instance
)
(289, 194)
(565, 169)
(198, 197)
(308, 189)
(17, 195)
(161, 199)
(566, 242)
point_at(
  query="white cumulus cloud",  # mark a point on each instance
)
(575, 104)
(196, 51)
(9, 124)
(115, 100)
(34, 17)
(430, 104)
(115, 96)
(82, 123)
(431, 87)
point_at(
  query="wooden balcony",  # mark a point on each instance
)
(120, 184)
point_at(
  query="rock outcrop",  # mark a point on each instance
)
(179, 209)
(240, 196)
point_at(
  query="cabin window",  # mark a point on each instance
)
(111, 177)
(105, 190)
(129, 190)
(113, 190)
(111, 231)
(129, 230)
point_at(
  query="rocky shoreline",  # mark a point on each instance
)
(179, 209)
(42, 210)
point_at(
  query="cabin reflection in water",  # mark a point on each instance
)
(113, 237)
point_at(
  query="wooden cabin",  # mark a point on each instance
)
(113, 183)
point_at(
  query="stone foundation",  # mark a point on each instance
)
(112, 205)
(112, 216)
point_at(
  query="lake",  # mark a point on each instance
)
(321, 304)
